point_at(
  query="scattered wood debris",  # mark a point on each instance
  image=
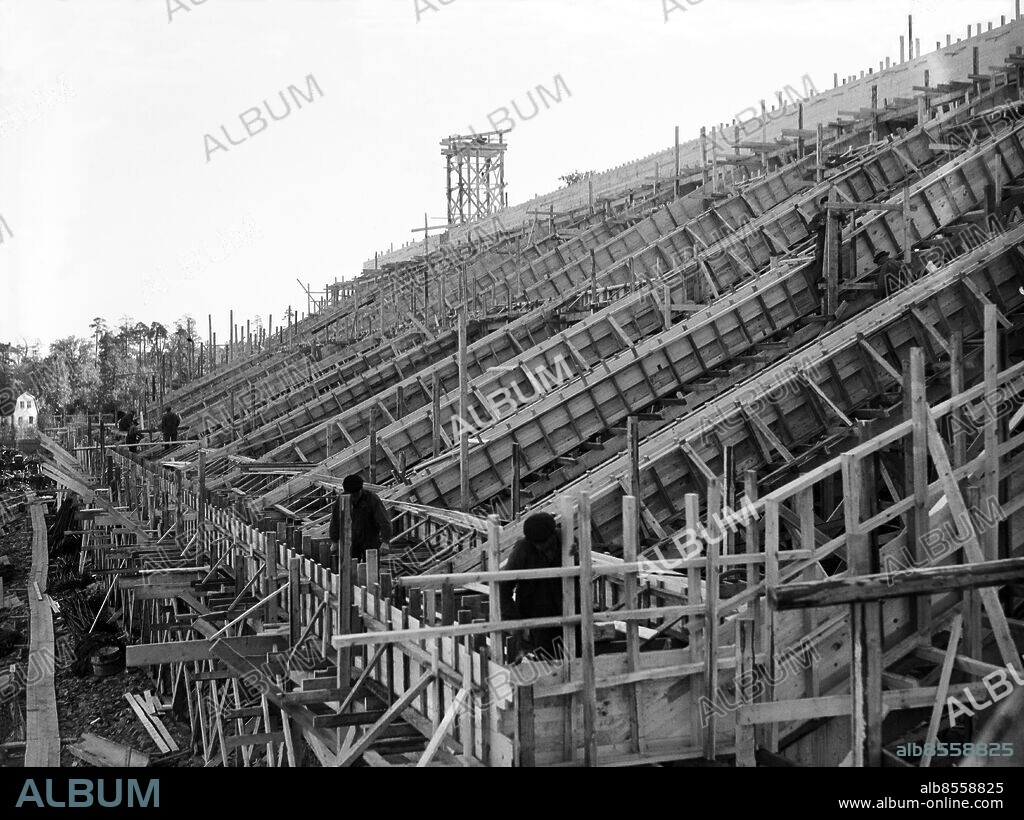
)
(146, 712)
(98, 751)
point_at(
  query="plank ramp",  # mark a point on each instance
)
(42, 746)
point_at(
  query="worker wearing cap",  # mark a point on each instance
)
(539, 548)
(371, 525)
(889, 276)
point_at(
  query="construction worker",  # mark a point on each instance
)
(126, 420)
(371, 525)
(169, 424)
(133, 437)
(889, 277)
(539, 548)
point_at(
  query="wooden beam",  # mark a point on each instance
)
(589, 693)
(453, 711)
(943, 687)
(374, 732)
(158, 654)
(971, 545)
(901, 584)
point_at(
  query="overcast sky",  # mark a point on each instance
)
(107, 186)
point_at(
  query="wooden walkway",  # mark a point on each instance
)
(42, 731)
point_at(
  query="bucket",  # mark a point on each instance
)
(107, 661)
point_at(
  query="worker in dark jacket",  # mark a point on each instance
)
(169, 425)
(539, 548)
(371, 525)
(133, 437)
(889, 277)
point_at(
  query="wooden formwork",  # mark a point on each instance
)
(778, 424)
(483, 266)
(762, 670)
(514, 359)
(637, 378)
(409, 440)
(679, 654)
(684, 227)
(285, 385)
(233, 616)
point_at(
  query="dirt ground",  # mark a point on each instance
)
(85, 703)
(16, 545)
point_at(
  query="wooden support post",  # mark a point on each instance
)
(764, 138)
(675, 188)
(270, 579)
(103, 452)
(874, 113)
(566, 517)
(819, 154)
(908, 251)
(346, 582)
(703, 160)
(633, 451)
(372, 450)
(805, 510)
(630, 527)
(753, 534)
(201, 506)
(916, 475)
(832, 256)
(956, 387)
(464, 496)
(496, 643)
(770, 732)
(714, 530)
(435, 413)
(588, 695)
(865, 627)
(179, 505)
(990, 488)
(745, 742)
(294, 601)
(521, 294)
(728, 530)
(525, 736)
(517, 478)
(593, 279)
(691, 507)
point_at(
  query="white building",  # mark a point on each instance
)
(26, 412)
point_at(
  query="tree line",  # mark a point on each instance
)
(119, 367)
